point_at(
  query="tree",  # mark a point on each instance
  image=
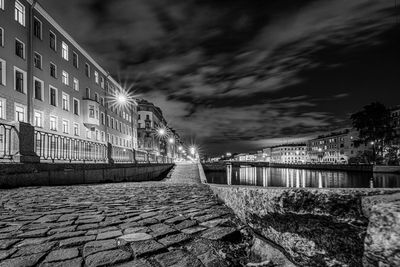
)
(375, 128)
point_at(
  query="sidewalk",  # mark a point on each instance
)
(176, 222)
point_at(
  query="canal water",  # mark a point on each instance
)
(296, 178)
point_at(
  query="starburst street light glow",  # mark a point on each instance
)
(171, 140)
(121, 99)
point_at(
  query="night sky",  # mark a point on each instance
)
(241, 75)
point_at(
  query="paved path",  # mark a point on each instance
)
(176, 222)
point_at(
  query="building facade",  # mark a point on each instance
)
(152, 129)
(335, 147)
(289, 154)
(395, 118)
(48, 80)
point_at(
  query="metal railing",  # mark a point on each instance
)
(141, 156)
(122, 155)
(51, 146)
(8, 141)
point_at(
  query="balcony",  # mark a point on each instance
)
(90, 113)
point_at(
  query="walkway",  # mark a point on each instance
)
(176, 222)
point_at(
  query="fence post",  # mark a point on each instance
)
(110, 153)
(24, 143)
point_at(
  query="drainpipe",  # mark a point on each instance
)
(29, 93)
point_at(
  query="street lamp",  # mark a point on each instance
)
(171, 140)
(161, 131)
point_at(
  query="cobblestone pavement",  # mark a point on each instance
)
(176, 222)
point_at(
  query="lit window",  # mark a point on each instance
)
(53, 123)
(76, 84)
(75, 61)
(2, 108)
(96, 77)
(53, 70)
(53, 41)
(76, 129)
(20, 82)
(65, 101)
(65, 78)
(37, 60)
(20, 13)
(38, 118)
(38, 87)
(20, 112)
(64, 51)
(87, 70)
(76, 106)
(53, 96)
(37, 28)
(19, 48)
(1, 36)
(2, 72)
(65, 125)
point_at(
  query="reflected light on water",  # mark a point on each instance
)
(301, 178)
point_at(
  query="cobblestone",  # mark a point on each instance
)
(176, 222)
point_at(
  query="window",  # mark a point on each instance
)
(88, 134)
(75, 61)
(38, 87)
(2, 4)
(20, 13)
(2, 72)
(20, 82)
(53, 96)
(76, 84)
(103, 137)
(20, 112)
(102, 82)
(108, 120)
(53, 41)
(76, 129)
(38, 118)
(102, 101)
(37, 28)
(2, 108)
(64, 51)
(65, 77)
(65, 101)
(53, 70)
(87, 70)
(112, 123)
(96, 97)
(96, 77)
(1, 36)
(53, 123)
(37, 60)
(76, 106)
(65, 126)
(91, 111)
(97, 135)
(19, 48)
(102, 117)
(87, 93)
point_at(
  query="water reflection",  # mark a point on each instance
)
(298, 178)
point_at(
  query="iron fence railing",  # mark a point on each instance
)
(122, 155)
(8, 141)
(141, 156)
(51, 146)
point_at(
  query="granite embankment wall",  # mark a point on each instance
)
(322, 227)
(46, 174)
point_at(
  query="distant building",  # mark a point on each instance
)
(336, 147)
(150, 121)
(289, 153)
(244, 157)
(267, 154)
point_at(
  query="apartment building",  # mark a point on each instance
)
(48, 80)
(337, 147)
(289, 153)
(152, 128)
